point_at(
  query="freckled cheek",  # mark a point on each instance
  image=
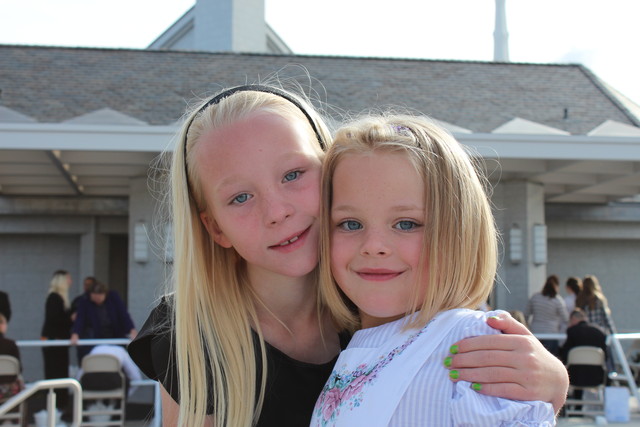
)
(338, 269)
(312, 200)
(313, 193)
(342, 252)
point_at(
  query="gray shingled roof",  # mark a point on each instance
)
(52, 84)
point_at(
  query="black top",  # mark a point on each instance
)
(57, 319)
(582, 334)
(5, 305)
(292, 386)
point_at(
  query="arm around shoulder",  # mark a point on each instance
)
(512, 365)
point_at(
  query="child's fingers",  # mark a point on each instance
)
(496, 342)
(507, 324)
(485, 359)
(493, 375)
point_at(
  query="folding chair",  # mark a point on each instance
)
(587, 372)
(10, 366)
(102, 379)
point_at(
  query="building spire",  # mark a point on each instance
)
(500, 34)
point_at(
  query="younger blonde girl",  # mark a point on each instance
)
(409, 251)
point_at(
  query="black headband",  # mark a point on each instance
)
(248, 88)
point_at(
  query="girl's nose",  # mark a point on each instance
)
(276, 210)
(375, 245)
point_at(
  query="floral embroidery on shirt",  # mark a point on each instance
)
(344, 388)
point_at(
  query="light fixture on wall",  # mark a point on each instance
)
(515, 244)
(140, 243)
(539, 244)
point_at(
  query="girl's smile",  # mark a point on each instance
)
(292, 243)
(378, 274)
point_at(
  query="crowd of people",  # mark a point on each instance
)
(97, 313)
(583, 314)
(548, 313)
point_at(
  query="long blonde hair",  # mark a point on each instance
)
(60, 285)
(214, 306)
(460, 238)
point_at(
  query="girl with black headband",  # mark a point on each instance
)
(241, 335)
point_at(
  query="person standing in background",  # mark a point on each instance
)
(87, 284)
(546, 313)
(592, 300)
(5, 306)
(57, 326)
(102, 315)
(573, 288)
(594, 303)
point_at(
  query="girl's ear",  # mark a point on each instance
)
(214, 230)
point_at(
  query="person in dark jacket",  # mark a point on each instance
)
(582, 333)
(102, 315)
(5, 306)
(87, 284)
(57, 326)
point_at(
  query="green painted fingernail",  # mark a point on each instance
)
(494, 317)
(453, 349)
(454, 374)
(447, 361)
(476, 386)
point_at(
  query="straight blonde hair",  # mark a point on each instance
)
(60, 285)
(214, 307)
(460, 238)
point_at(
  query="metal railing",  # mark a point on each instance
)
(50, 385)
(156, 421)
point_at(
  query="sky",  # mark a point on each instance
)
(603, 35)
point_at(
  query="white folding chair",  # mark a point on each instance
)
(94, 411)
(587, 357)
(10, 366)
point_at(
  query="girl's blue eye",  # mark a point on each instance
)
(406, 225)
(350, 225)
(241, 198)
(291, 176)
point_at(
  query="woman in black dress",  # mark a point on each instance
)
(57, 326)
